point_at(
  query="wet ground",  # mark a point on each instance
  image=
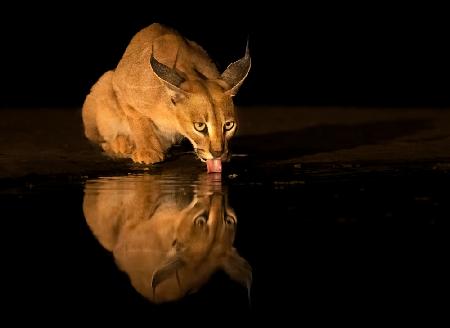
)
(323, 214)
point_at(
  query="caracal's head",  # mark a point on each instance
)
(201, 245)
(203, 107)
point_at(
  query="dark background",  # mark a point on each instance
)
(368, 246)
(302, 54)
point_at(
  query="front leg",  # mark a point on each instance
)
(121, 146)
(148, 148)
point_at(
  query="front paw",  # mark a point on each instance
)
(121, 146)
(147, 156)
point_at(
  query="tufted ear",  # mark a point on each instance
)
(236, 73)
(166, 270)
(170, 77)
(238, 269)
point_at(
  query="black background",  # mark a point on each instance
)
(384, 261)
(323, 54)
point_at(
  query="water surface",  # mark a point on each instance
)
(311, 243)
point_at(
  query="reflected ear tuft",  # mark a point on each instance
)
(165, 271)
(239, 270)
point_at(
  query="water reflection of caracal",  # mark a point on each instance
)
(169, 240)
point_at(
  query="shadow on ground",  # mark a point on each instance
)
(326, 138)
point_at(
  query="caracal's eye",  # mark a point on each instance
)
(230, 220)
(200, 127)
(228, 125)
(200, 220)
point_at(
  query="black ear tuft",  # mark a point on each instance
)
(236, 72)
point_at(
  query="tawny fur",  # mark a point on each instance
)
(147, 226)
(132, 113)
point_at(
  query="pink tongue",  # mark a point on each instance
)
(214, 165)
